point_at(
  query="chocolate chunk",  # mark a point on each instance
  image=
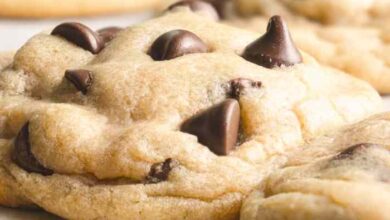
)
(274, 48)
(81, 79)
(350, 151)
(160, 171)
(80, 35)
(198, 6)
(216, 127)
(176, 43)
(237, 86)
(23, 156)
(108, 33)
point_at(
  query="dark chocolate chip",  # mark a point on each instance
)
(108, 33)
(80, 35)
(176, 43)
(198, 6)
(216, 127)
(160, 171)
(23, 156)
(274, 48)
(237, 86)
(351, 151)
(81, 79)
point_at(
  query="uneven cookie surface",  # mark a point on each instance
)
(349, 178)
(359, 51)
(8, 193)
(107, 129)
(52, 8)
(324, 11)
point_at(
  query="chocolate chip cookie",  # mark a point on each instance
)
(360, 51)
(53, 8)
(344, 175)
(176, 118)
(324, 11)
(353, 36)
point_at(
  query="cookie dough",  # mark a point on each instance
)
(343, 175)
(176, 118)
(53, 8)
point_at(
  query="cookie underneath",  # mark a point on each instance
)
(343, 175)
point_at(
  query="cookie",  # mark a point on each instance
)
(346, 176)
(359, 51)
(168, 119)
(223, 8)
(8, 194)
(324, 11)
(5, 59)
(52, 8)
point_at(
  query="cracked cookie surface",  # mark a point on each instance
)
(95, 129)
(343, 175)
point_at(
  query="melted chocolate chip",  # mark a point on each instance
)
(23, 156)
(216, 127)
(351, 151)
(176, 43)
(81, 79)
(198, 6)
(274, 48)
(108, 33)
(237, 86)
(80, 35)
(160, 171)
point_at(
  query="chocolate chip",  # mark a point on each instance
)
(23, 156)
(176, 43)
(198, 6)
(160, 171)
(237, 86)
(350, 151)
(216, 127)
(274, 48)
(81, 79)
(108, 33)
(80, 35)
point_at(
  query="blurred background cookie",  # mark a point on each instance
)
(54, 8)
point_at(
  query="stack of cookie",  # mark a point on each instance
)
(183, 117)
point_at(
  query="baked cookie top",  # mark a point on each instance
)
(324, 11)
(168, 119)
(349, 178)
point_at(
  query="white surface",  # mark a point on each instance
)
(14, 33)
